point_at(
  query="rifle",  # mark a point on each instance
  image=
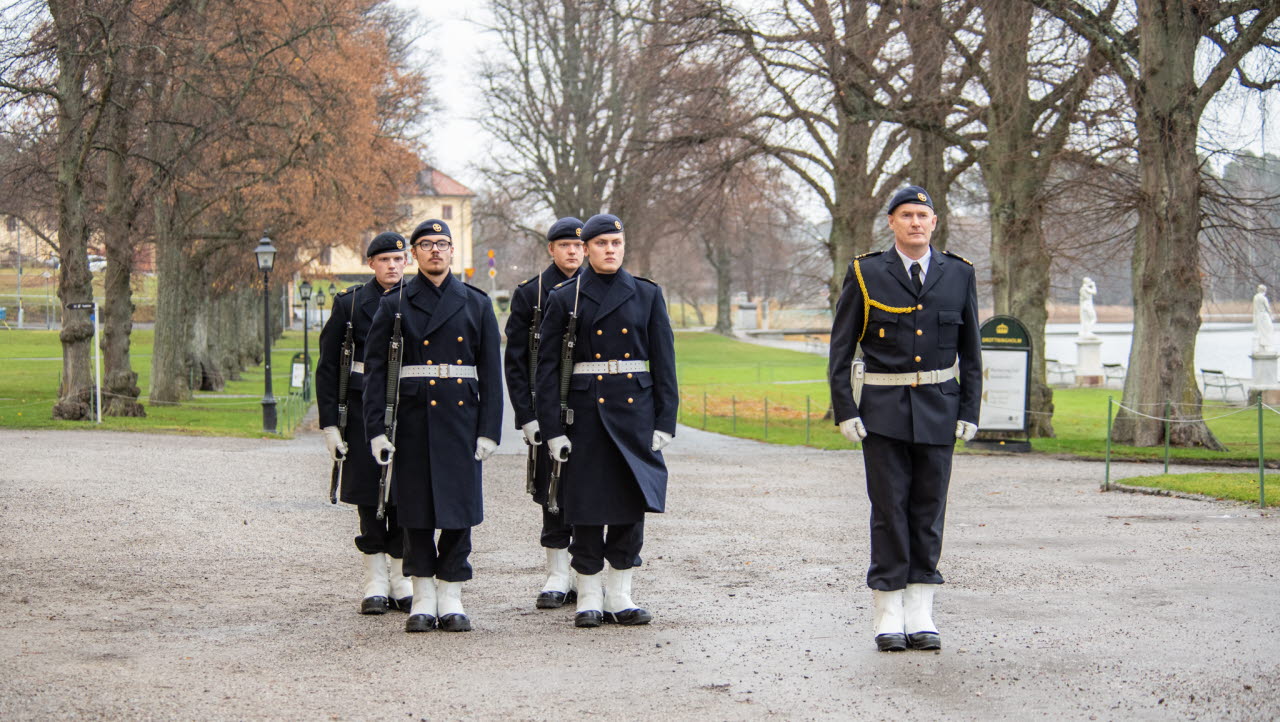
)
(567, 344)
(344, 382)
(395, 356)
(535, 340)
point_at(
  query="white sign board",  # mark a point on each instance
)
(299, 373)
(1004, 390)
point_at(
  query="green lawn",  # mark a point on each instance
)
(32, 362)
(1240, 487)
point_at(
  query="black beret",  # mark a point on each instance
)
(567, 227)
(430, 227)
(386, 242)
(910, 194)
(600, 224)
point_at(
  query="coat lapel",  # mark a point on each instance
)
(366, 300)
(452, 299)
(937, 263)
(896, 270)
(622, 288)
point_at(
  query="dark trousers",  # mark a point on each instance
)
(445, 559)
(379, 535)
(591, 547)
(907, 485)
(555, 533)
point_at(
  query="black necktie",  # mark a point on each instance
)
(915, 277)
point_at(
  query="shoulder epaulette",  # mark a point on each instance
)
(646, 280)
(522, 283)
(351, 289)
(473, 288)
(954, 255)
(565, 282)
(868, 254)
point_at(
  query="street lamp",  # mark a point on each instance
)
(48, 302)
(266, 254)
(304, 293)
(333, 290)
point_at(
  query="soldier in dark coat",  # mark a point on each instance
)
(623, 401)
(449, 421)
(564, 245)
(379, 540)
(914, 310)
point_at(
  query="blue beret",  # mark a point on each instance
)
(430, 227)
(386, 242)
(910, 194)
(600, 224)
(567, 227)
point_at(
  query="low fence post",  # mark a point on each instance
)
(733, 401)
(1166, 436)
(1262, 464)
(1106, 484)
(806, 420)
(704, 410)
(766, 418)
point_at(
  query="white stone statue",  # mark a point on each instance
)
(1262, 324)
(1088, 315)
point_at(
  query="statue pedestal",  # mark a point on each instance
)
(1089, 362)
(1264, 369)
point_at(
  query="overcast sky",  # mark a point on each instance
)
(457, 142)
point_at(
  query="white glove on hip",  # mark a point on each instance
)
(532, 433)
(966, 430)
(333, 442)
(660, 440)
(485, 448)
(853, 430)
(559, 448)
(382, 449)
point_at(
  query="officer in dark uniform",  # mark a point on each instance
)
(449, 421)
(564, 245)
(380, 539)
(914, 310)
(623, 401)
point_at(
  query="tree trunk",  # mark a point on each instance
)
(923, 26)
(1019, 258)
(170, 382)
(75, 283)
(120, 392)
(1167, 289)
(723, 262)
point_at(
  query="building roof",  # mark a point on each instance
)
(431, 182)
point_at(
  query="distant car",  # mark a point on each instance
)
(97, 263)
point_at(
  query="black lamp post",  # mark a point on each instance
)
(304, 292)
(266, 254)
(333, 290)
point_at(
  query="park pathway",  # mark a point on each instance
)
(168, 577)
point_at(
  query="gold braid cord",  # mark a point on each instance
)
(866, 312)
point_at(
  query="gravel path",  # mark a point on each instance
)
(167, 577)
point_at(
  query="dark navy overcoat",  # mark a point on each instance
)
(437, 479)
(516, 360)
(360, 473)
(612, 476)
(941, 325)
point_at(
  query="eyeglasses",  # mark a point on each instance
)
(438, 245)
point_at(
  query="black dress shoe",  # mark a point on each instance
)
(455, 623)
(893, 642)
(373, 605)
(404, 604)
(420, 623)
(551, 600)
(628, 617)
(590, 618)
(924, 640)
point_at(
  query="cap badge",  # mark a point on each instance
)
(921, 196)
(399, 245)
(617, 224)
(578, 231)
(436, 227)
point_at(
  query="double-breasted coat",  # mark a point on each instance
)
(528, 295)
(612, 476)
(360, 473)
(436, 483)
(941, 323)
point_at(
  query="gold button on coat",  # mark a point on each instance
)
(919, 332)
(599, 378)
(599, 332)
(459, 380)
(920, 307)
(602, 399)
(917, 359)
(432, 382)
(630, 400)
(626, 355)
(459, 339)
(628, 375)
(597, 355)
(425, 342)
(624, 330)
(459, 403)
(433, 402)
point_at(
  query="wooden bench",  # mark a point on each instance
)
(1112, 372)
(1217, 378)
(1053, 367)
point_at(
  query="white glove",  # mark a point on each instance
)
(853, 430)
(966, 430)
(532, 433)
(382, 449)
(485, 448)
(559, 448)
(660, 440)
(333, 442)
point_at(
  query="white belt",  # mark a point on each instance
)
(438, 371)
(357, 367)
(912, 379)
(612, 366)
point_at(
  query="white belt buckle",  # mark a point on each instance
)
(613, 365)
(919, 378)
(444, 370)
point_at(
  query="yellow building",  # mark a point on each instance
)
(433, 195)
